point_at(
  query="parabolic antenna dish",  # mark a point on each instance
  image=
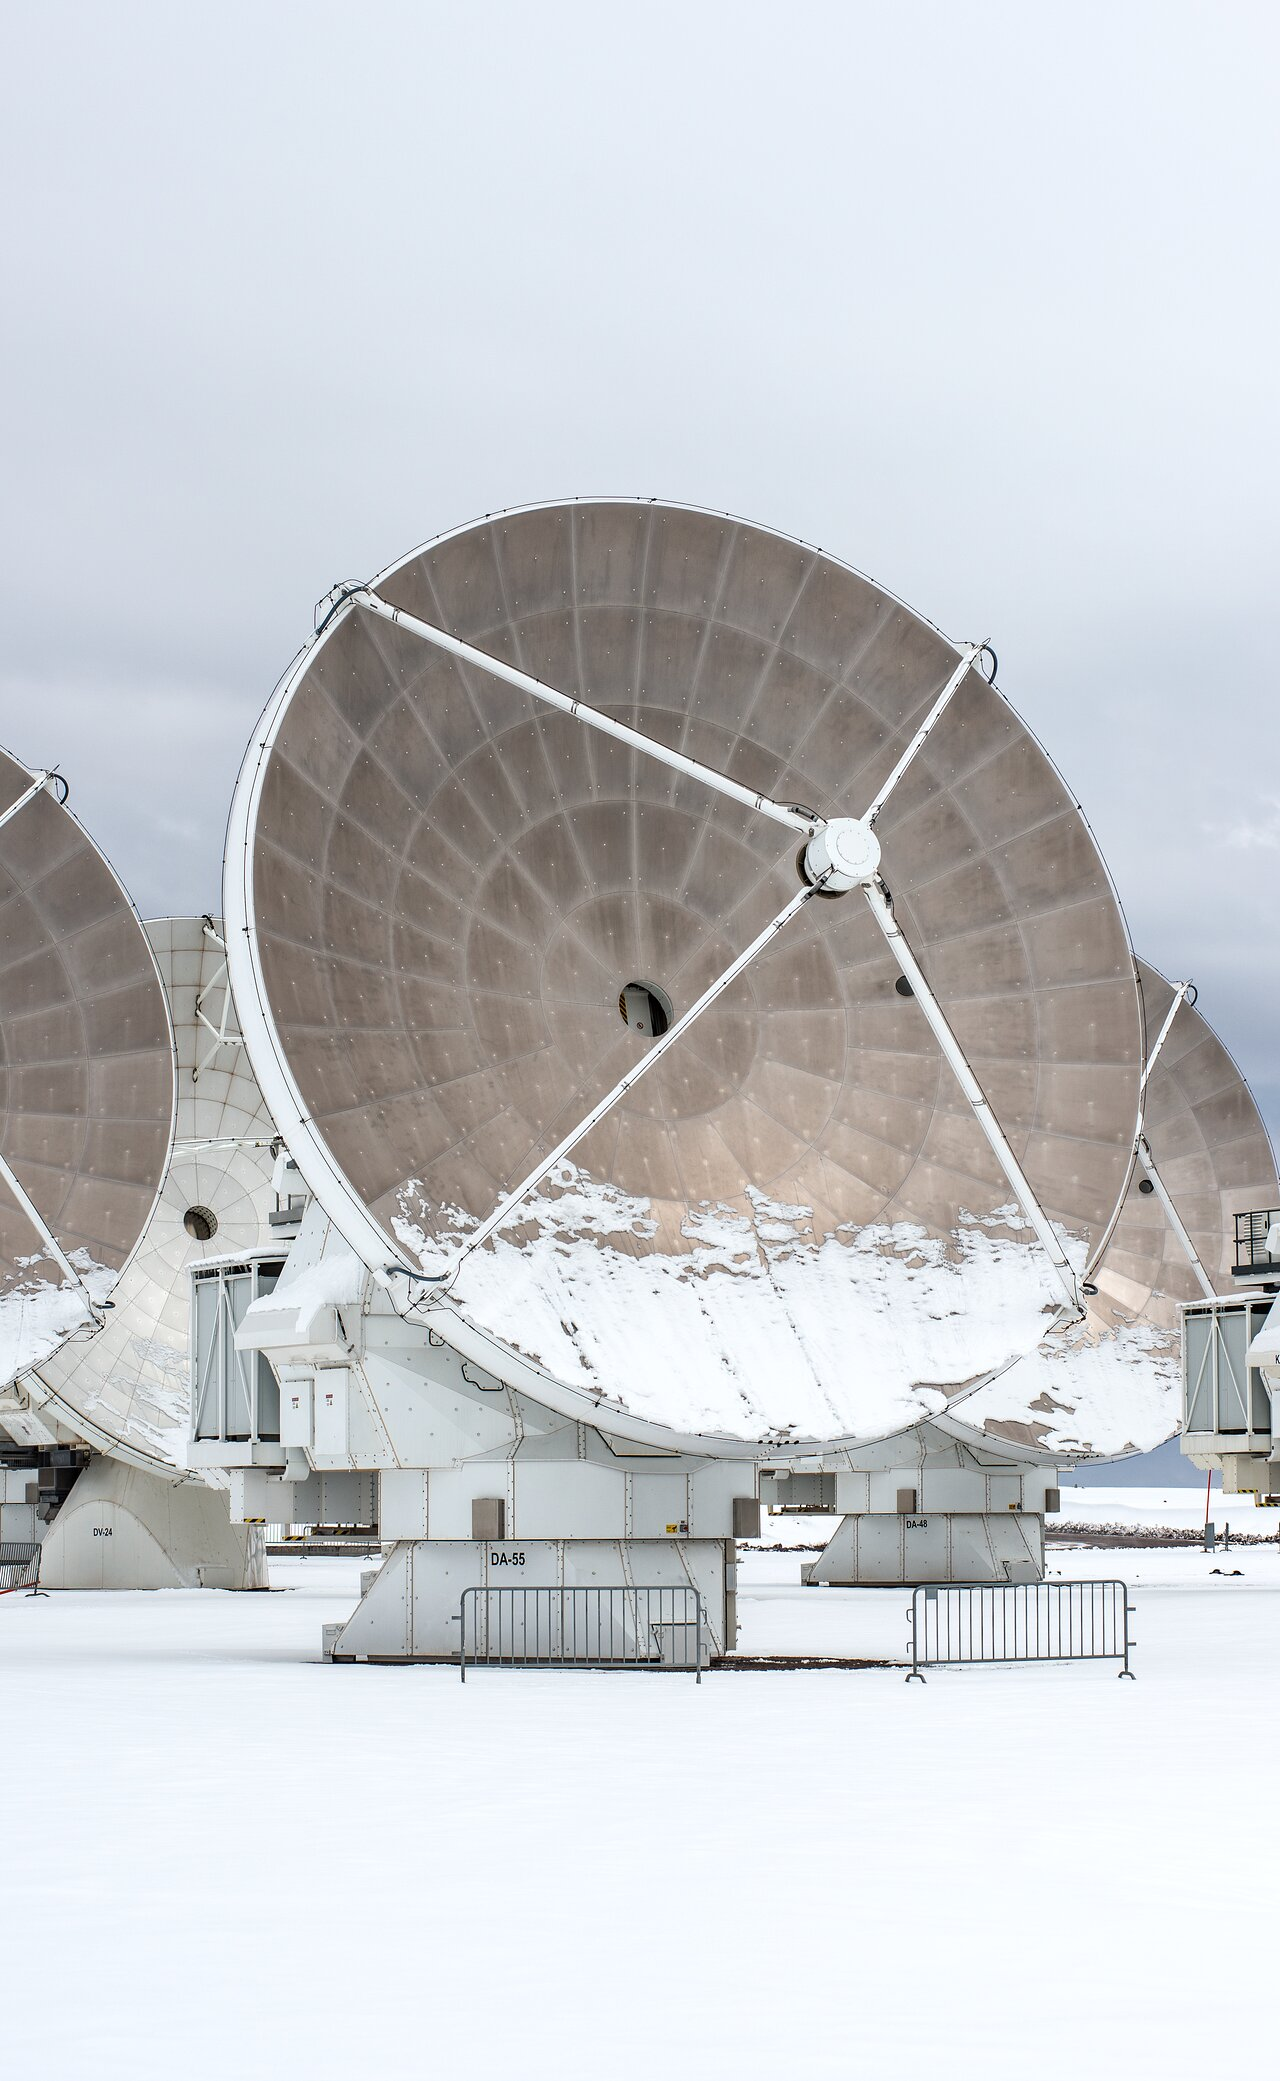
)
(128, 1390)
(1113, 1384)
(86, 1074)
(461, 912)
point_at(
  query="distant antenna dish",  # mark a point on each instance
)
(128, 1390)
(86, 1074)
(545, 771)
(1113, 1385)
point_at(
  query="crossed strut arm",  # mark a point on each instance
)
(51, 783)
(823, 859)
(1181, 994)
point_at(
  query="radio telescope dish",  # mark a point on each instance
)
(128, 1390)
(579, 769)
(86, 1074)
(1113, 1385)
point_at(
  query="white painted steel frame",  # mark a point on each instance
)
(221, 1037)
(1253, 1441)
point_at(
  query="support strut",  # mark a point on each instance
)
(511, 1200)
(49, 782)
(1176, 1222)
(882, 911)
(594, 718)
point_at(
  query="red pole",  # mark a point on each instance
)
(1208, 1484)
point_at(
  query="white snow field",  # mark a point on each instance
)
(224, 1857)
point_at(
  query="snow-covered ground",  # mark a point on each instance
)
(225, 1857)
(1175, 1509)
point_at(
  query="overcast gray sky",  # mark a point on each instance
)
(982, 298)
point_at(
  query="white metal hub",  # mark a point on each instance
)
(846, 851)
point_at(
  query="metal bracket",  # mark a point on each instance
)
(50, 783)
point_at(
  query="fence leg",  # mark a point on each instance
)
(1126, 1671)
(915, 1676)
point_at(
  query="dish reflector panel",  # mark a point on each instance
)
(441, 893)
(128, 1389)
(86, 1074)
(1114, 1385)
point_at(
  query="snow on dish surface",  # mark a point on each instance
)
(1093, 1388)
(38, 1314)
(156, 1376)
(753, 1329)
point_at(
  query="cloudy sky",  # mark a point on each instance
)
(980, 297)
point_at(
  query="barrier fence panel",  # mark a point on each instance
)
(20, 1566)
(589, 1626)
(962, 1623)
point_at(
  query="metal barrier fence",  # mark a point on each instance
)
(623, 1626)
(20, 1566)
(958, 1623)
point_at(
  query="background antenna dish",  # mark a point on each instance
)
(127, 1390)
(790, 1225)
(1114, 1385)
(86, 1074)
